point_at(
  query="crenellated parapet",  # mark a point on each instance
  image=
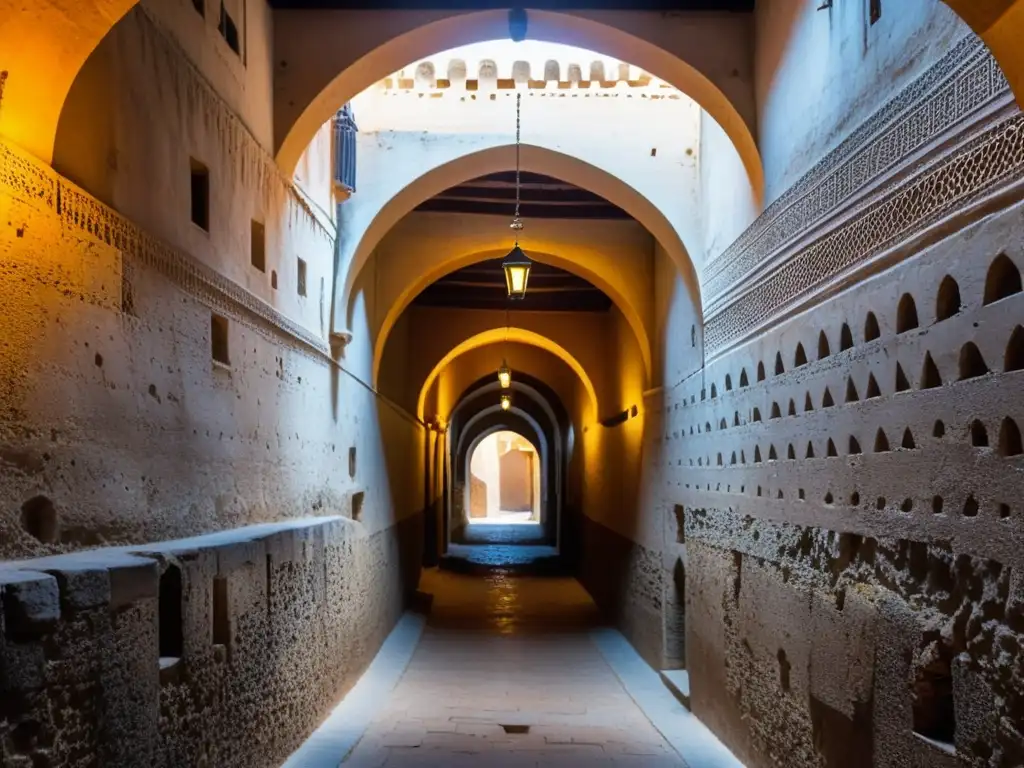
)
(551, 75)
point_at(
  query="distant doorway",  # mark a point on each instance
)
(504, 481)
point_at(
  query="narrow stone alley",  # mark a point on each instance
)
(509, 671)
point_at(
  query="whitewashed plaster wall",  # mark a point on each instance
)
(820, 74)
(432, 132)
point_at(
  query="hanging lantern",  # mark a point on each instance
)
(506, 402)
(517, 272)
(504, 376)
(517, 264)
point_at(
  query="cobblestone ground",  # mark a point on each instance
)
(506, 675)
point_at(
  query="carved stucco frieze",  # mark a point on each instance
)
(24, 178)
(990, 161)
(757, 276)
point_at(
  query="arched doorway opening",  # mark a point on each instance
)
(504, 481)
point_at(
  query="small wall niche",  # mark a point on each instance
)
(39, 519)
(357, 505)
(273, 279)
(301, 276)
(680, 515)
(219, 340)
(352, 462)
(170, 632)
(200, 194)
(258, 246)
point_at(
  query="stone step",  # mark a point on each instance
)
(678, 681)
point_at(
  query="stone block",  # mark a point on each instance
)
(83, 583)
(30, 600)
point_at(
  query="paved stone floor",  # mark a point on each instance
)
(504, 546)
(506, 673)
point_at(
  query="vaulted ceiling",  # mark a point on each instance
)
(543, 197)
(482, 286)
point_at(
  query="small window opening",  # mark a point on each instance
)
(302, 277)
(1003, 279)
(171, 636)
(229, 30)
(948, 302)
(881, 442)
(871, 329)
(273, 279)
(352, 462)
(906, 314)
(200, 191)
(357, 505)
(875, 11)
(219, 339)
(930, 373)
(258, 246)
(845, 338)
(1010, 443)
(800, 358)
(972, 364)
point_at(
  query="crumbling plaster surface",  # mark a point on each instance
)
(276, 621)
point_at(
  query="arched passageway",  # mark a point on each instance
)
(768, 462)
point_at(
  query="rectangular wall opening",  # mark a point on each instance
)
(219, 339)
(875, 11)
(357, 506)
(200, 194)
(302, 277)
(221, 616)
(258, 246)
(170, 633)
(228, 29)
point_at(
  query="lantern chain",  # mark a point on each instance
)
(517, 223)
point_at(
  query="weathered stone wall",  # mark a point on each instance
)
(850, 477)
(222, 650)
(829, 517)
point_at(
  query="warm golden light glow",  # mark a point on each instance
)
(506, 402)
(517, 272)
(504, 376)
